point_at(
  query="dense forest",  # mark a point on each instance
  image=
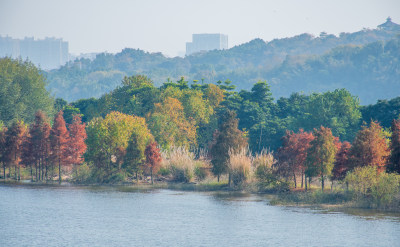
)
(365, 62)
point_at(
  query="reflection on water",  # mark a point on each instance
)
(128, 216)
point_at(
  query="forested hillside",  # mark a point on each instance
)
(365, 62)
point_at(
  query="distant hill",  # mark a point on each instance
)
(365, 62)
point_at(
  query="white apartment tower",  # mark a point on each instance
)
(206, 42)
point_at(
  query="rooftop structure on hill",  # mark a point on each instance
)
(389, 25)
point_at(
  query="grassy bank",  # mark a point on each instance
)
(333, 199)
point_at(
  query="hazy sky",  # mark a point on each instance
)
(165, 26)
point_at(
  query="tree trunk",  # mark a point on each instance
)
(43, 167)
(52, 171)
(36, 178)
(305, 181)
(309, 183)
(322, 183)
(302, 178)
(151, 174)
(9, 171)
(218, 178)
(229, 180)
(19, 173)
(4, 170)
(137, 178)
(31, 172)
(294, 179)
(332, 184)
(15, 173)
(39, 170)
(59, 171)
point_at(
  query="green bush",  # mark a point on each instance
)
(82, 174)
(116, 178)
(374, 188)
(164, 171)
(200, 172)
(385, 189)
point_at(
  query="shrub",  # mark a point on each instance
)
(200, 171)
(239, 165)
(116, 178)
(385, 189)
(164, 171)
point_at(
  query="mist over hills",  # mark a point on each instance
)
(364, 62)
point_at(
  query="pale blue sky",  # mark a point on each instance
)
(165, 26)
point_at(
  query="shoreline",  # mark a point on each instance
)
(275, 198)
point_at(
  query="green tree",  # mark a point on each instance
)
(337, 110)
(321, 154)
(22, 91)
(170, 125)
(108, 139)
(134, 156)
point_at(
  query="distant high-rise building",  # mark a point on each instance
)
(207, 42)
(49, 53)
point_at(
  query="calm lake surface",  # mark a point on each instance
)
(76, 216)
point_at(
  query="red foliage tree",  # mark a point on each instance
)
(28, 157)
(341, 164)
(37, 147)
(370, 148)
(394, 160)
(293, 154)
(59, 140)
(76, 142)
(3, 149)
(153, 158)
(14, 139)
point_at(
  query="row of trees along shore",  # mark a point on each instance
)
(182, 132)
(121, 142)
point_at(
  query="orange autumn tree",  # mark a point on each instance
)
(76, 143)
(293, 153)
(59, 140)
(370, 148)
(153, 158)
(14, 139)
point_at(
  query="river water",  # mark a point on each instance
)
(76, 216)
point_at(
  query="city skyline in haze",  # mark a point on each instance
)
(166, 26)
